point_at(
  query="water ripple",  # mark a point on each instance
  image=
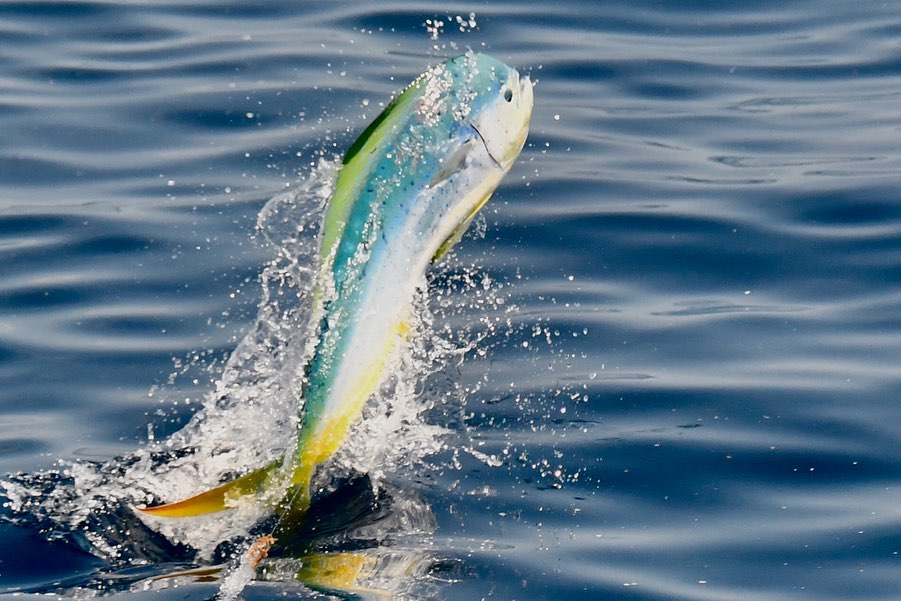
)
(692, 378)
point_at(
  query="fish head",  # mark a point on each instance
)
(491, 105)
(501, 108)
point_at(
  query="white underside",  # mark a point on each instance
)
(393, 275)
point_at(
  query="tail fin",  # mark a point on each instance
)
(219, 498)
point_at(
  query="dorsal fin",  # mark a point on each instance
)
(356, 163)
(371, 129)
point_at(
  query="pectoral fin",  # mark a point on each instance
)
(219, 498)
(452, 164)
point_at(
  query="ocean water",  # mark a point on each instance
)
(664, 365)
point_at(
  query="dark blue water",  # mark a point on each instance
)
(688, 387)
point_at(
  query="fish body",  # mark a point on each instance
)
(406, 191)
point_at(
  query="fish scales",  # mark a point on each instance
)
(406, 192)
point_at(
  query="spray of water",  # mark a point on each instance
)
(249, 416)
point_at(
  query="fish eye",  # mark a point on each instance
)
(508, 94)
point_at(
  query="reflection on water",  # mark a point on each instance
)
(357, 542)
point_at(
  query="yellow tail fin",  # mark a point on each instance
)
(219, 498)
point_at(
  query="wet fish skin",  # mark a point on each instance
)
(407, 190)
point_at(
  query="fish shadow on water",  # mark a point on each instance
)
(332, 520)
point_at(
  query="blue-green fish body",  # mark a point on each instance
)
(407, 190)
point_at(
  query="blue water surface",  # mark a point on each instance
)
(698, 394)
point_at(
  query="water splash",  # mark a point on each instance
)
(435, 28)
(249, 418)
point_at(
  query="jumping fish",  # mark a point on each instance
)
(406, 192)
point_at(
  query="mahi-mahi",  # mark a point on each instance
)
(406, 192)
